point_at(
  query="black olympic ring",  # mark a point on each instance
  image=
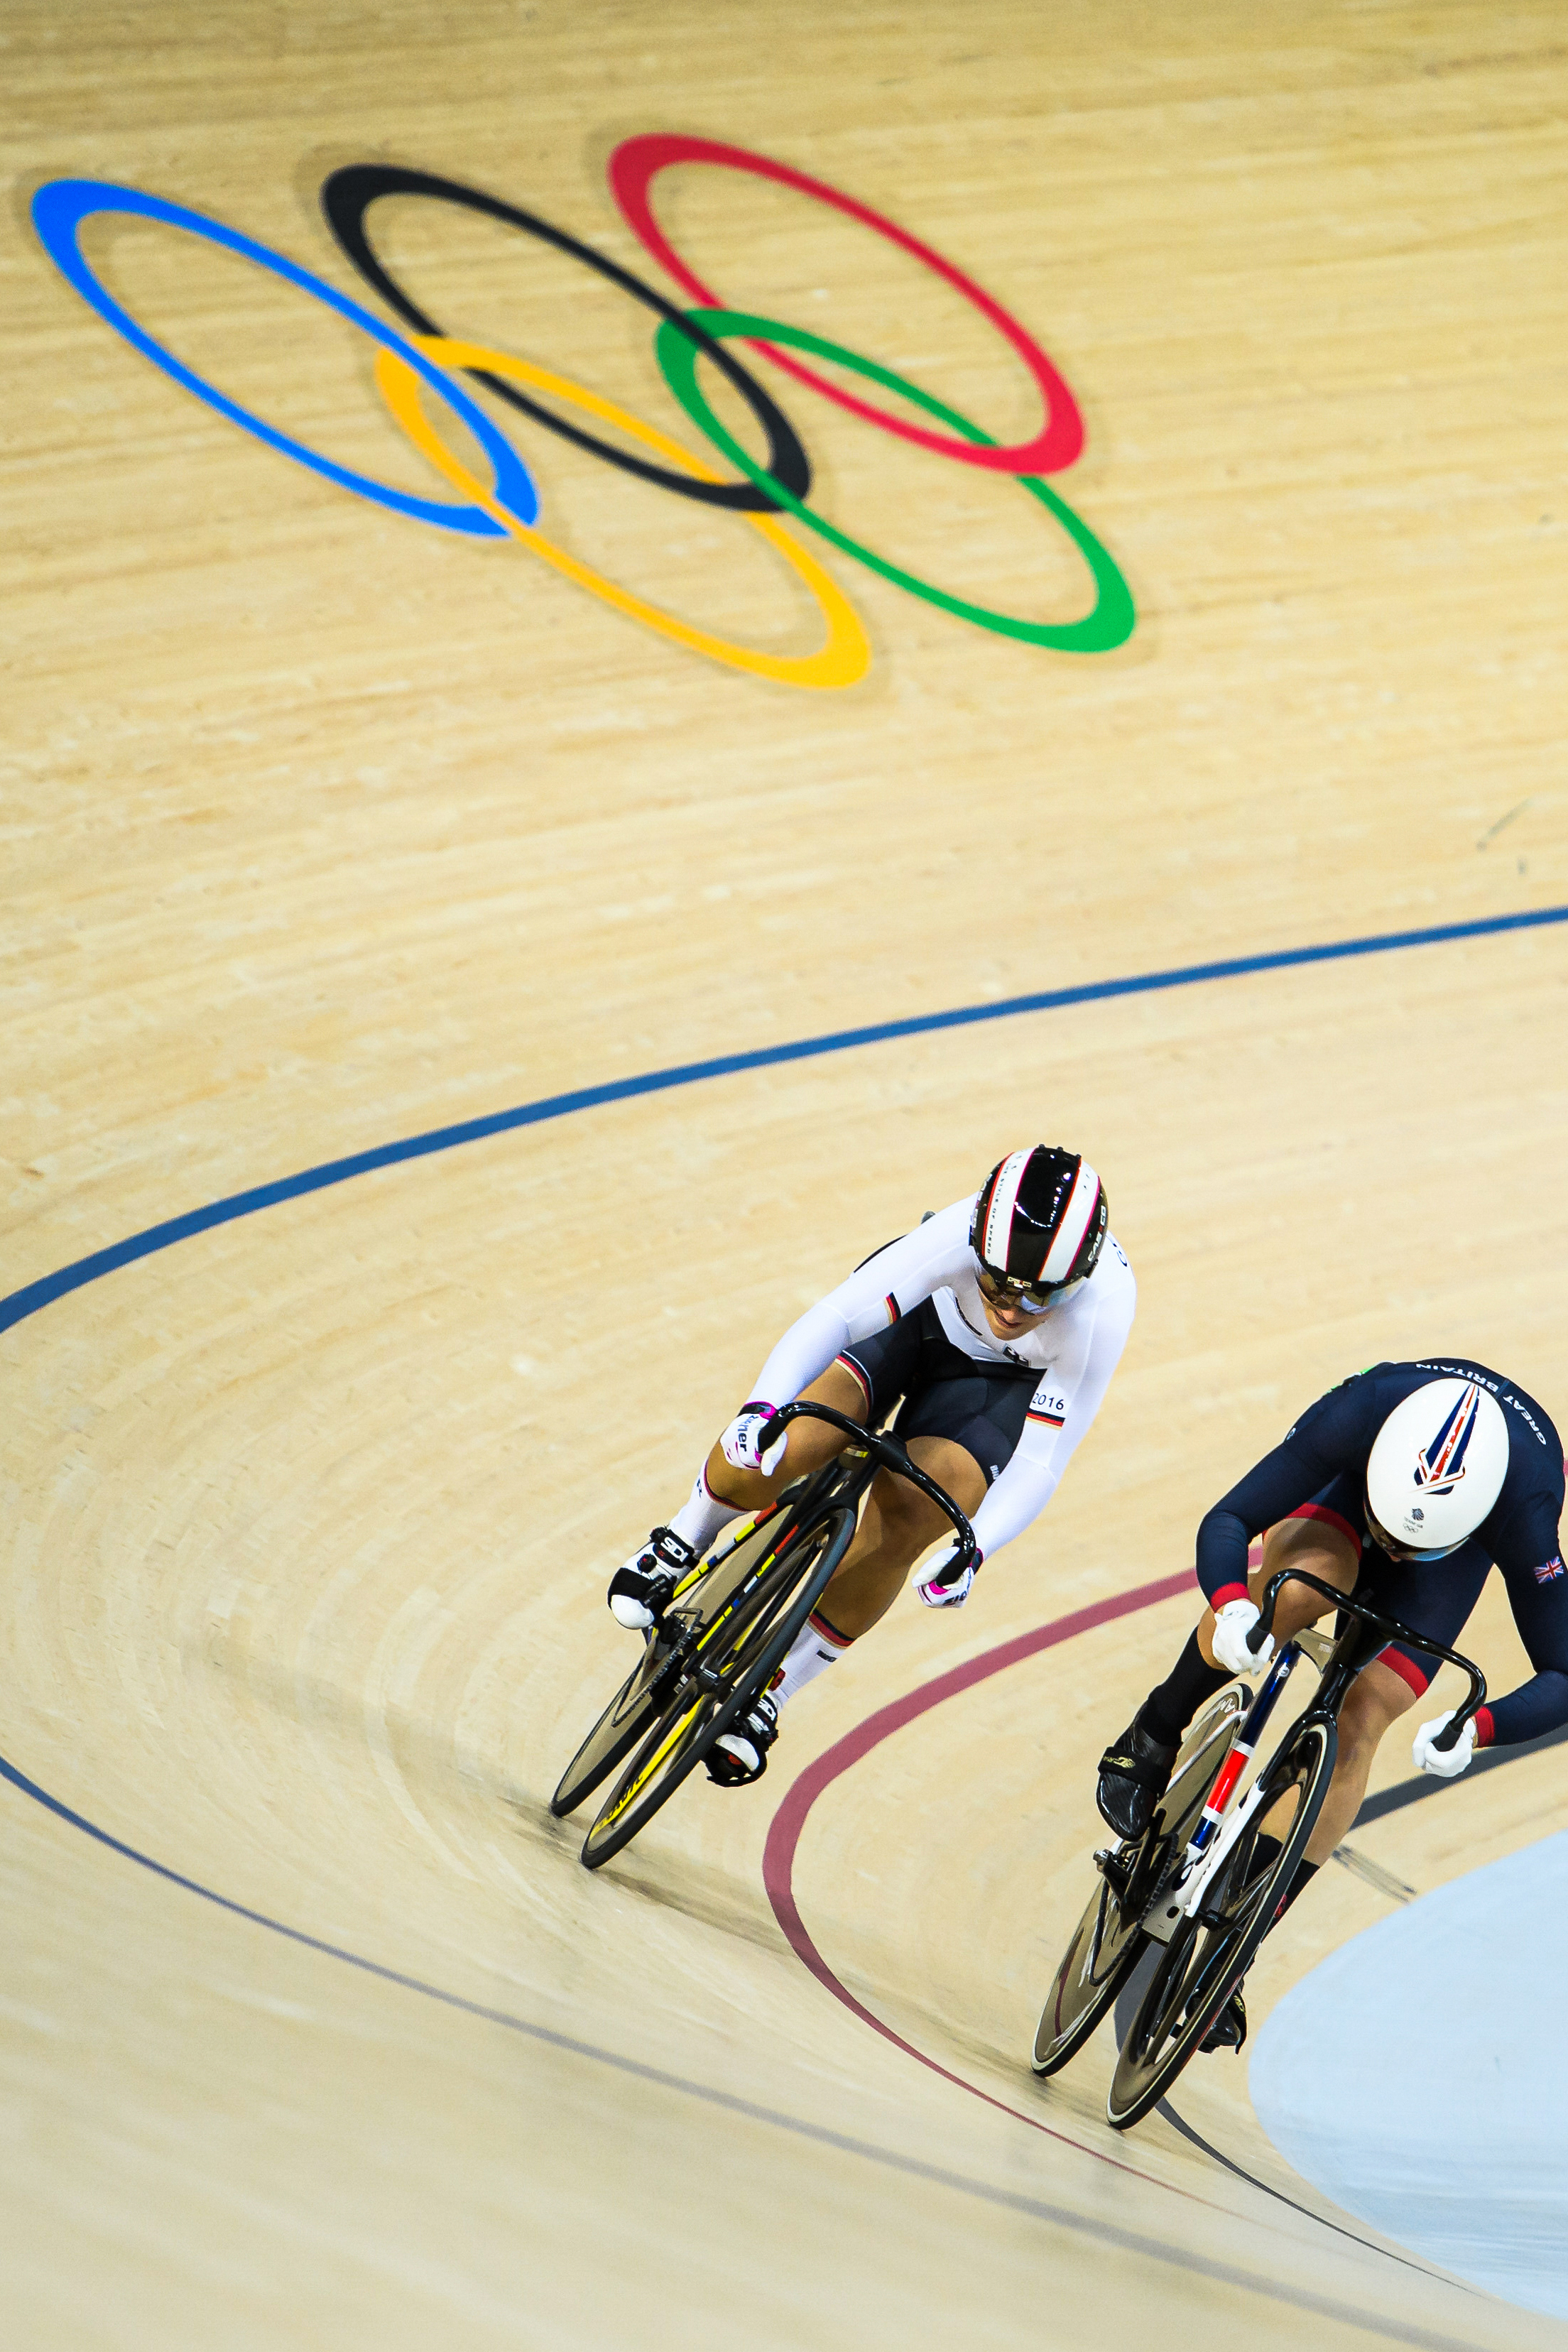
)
(347, 195)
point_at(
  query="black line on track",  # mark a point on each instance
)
(1126, 2001)
(1426, 1784)
(1037, 2209)
(1180, 2124)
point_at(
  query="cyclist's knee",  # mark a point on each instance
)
(953, 1468)
(809, 1444)
(894, 1500)
(1319, 1546)
(728, 1485)
(841, 1389)
(902, 1513)
(1318, 1549)
(1377, 1699)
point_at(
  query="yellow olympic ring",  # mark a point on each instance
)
(846, 657)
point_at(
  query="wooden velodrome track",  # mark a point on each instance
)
(328, 828)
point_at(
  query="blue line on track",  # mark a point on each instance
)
(28, 1300)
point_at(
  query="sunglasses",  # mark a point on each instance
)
(1405, 1553)
(1001, 1291)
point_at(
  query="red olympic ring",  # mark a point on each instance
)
(632, 169)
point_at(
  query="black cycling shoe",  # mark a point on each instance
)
(742, 1754)
(641, 1590)
(1133, 1774)
(1228, 2031)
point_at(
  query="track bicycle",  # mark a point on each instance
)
(727, 1629)
(1193, 1882)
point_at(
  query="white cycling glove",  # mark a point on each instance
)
(1445, 1763)
(932, 1584)
(1232, 1625)
(745, 1442)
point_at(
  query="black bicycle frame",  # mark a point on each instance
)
(875, 1451)
(888, 1453)
(1355, 1649)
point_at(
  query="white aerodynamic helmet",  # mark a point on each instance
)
(1435, 1469)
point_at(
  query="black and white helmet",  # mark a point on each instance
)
(1040, 1220)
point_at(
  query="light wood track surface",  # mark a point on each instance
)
(324, 827)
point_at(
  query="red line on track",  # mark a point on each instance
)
(789, 1821)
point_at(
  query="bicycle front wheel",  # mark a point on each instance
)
(734, 1658)
(1209, 1954)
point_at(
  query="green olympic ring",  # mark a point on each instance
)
(1109, 624)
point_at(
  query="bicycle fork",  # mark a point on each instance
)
(1214, 1837)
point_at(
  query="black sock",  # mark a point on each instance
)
(1172, 1705)
(1305, 1870)
(1264, 1852)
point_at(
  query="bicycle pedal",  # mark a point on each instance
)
(1116, 1866)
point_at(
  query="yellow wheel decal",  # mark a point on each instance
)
(737, 1534)
(648, 1770)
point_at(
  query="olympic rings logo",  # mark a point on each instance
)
(417, 360)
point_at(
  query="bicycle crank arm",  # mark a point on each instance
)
(671, 1643)
(1181, 1899)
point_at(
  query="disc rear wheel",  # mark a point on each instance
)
(1108, 1940)
(1104, 1945)
(635, 1707)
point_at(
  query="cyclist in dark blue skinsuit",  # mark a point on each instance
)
(1326, 1454)
(1308, 1498)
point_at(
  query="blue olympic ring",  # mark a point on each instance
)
(58, 211)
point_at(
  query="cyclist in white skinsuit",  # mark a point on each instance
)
(998, 1323)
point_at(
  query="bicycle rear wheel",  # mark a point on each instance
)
(1208, 1955)
(1105, 1945)
(635, 1706)
(732, 1658)
(1109, 1937)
